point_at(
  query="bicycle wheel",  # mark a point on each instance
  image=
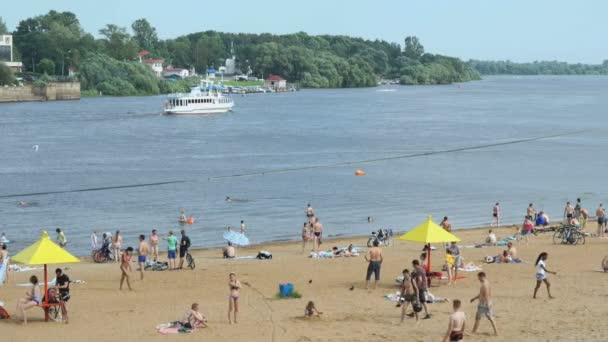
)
(98, 257)
(370, 242)
(557, 237)
(55, 313)
(190, 261)
(580, 238)
(388, 241)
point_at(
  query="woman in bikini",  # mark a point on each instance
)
(233, 300)
(305, 236)
(125, 265)
(31, 300)
(116, 244)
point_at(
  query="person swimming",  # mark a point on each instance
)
(182, 217)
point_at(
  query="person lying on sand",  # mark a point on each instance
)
(311, 310)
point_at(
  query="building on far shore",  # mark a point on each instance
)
(6, 53)
(156, 65)
(175, 73)
(275, 82)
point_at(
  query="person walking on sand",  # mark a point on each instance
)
(375, 258)
(409, 295)
(419, 276)
(601, 220)
(568, 212)
(457, 324)
(125, 266)
(310, 214)
(94, 240)
(142, 252)
(495, 215)
(484, 307)
(305, 236)
(541, 274)
(61, 239)
(233, 300)
(154, 245)
(317, 229)
(117, 244)
(171, 250)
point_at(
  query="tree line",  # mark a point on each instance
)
(537, 68)
(55, 42)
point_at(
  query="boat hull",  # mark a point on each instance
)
(197, 111)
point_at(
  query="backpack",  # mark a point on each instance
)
(4, 314)
(264, 255)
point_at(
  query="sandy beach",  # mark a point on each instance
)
(100, 312)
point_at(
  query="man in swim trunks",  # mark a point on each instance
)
(374, 257)
(409, 295)
(568, 212)
(495, 215)
(419, 275)
(183, 248)
(63, 286)
(531, 211)
(601, 220)
(317, 231)
(484, 308)
(154, 244)
(142, 250)
(310, 213)
(457, 322)
(229, 252)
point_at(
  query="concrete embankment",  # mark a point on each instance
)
(51, 92)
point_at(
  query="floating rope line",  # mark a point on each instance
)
(421, 154)
(325, 166)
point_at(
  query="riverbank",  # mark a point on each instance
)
(101, 312)
(53, 91)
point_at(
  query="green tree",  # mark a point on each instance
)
(118, 42)
(46, 66)
(145, 35)
(3, 29)
(413, 48)
(6, 75)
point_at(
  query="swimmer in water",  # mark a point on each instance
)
(23, 204)
(228, 199)
(182, 217)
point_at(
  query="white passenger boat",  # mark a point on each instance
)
(204, 99)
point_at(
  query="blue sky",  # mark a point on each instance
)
(573, 31)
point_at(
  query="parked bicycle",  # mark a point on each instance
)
(190, 261)
(568, 235)
(382, 236)
(102, 255)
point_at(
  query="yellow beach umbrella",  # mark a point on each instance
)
(43, 252)
(427, 233)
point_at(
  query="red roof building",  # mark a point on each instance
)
(275, 82)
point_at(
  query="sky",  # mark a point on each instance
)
(518, 30)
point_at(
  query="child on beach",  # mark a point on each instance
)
(541, 274)
(457, 323)
(125, 265)
(233, 300)
(311, 310)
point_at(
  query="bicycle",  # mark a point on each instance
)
(190, 261)
(568, 235)
(102, 255)
(384, 236)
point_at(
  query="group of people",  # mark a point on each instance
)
(58, 294)
(312, 230)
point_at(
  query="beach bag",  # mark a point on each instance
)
(4, 314)
(264, 255)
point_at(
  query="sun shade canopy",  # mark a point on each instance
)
(44, 251)
(429, 232)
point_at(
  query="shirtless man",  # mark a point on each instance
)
(601, 220)
(419, 276)
(154, 244)
(484, 308)
(457, 322)
(512, 251)
(310, 213)
(142, 250)
(568, 212)
(317, 230)
(495, 215)
(445, 224)
(531, 211)
(374, 257)
(408, 294)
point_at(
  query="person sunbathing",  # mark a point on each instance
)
(193, 318)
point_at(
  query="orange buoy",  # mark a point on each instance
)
(190, 220)
(359, 173)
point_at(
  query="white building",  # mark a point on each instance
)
(6, 53)
(173, 72)
(156, 65)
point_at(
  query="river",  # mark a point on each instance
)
(110, 142)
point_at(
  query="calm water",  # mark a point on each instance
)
(103, 142)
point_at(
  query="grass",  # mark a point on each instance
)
(294, 294)
(234, 83)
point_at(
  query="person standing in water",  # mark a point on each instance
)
(142, 251)
(182, 217)
(310, 214)
(541, 274)
(125, 266)
(116, 244)
(61, 239)
(495, 215)
(233, 300)
(243, 227)
(484, 307)
(94, 240)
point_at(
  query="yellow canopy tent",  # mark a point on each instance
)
(43, 252)
(427, 233)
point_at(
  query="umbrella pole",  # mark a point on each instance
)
(46, 296)
(428, 258)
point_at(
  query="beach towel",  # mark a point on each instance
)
(17, 268)
(174, 330)
(249, 257)
(321, 255)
